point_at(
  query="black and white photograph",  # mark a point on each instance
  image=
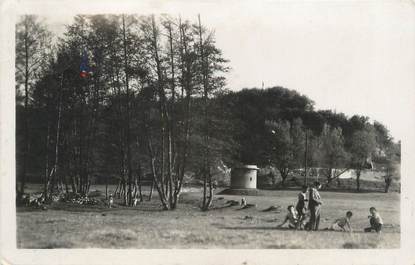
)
(208, 125)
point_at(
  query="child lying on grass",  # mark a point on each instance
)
(342, 223)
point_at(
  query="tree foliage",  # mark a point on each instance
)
(363, 144)
(332, 155)
(285, 149)
(32, 50)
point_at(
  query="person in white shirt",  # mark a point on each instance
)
(314, 205)
(375, 221)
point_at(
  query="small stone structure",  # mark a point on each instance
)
(244, 177)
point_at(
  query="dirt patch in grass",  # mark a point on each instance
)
(245, 192)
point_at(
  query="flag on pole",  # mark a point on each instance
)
(84, 68)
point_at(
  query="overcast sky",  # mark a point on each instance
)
(352, 57)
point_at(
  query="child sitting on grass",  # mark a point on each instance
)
(291, 217)
(342, 223)
(375, 221)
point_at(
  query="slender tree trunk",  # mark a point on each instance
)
(305, 160)
(26, 113)
(387, 185)
(73, 183)
(204, 190)
(45, 187)
(117, 191)
(207, 160)
(58, 129)
(140, 194)
(162, 148)
(388, 181)
(81, 171)
(330, 176)
(273, 179)
(164, 122)
(135, 188)
(283, 180)
(182, 167)
(210, 200)
(129, 199)
(90, 137)
(151, 191)
(284, 175)
(75, 171)
(106, 187)
(358, 172)
(66, 185)
(186, 66)
(160, 191)
(171, 123)
(125, 192)
(158, 183)
(205, 136)
(88, 187)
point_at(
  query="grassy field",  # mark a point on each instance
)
(66, 225)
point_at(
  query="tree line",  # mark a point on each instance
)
(154, 103)
(279, 127)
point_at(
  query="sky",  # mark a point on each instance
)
(356, 57)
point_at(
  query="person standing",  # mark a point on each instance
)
(301, 207)
(314, 205)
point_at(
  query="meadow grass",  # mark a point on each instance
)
(65, 225)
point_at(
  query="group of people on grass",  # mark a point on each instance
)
(296, 216)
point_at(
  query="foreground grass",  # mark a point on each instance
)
(147, 226)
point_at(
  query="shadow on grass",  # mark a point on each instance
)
(254, 228)
(221, 207)
(267, 191)
(328, 189)
(352, 191)
(283, 229)
(69, 207)
(23, 209)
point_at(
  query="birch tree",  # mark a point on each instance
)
(211, 67)
(32, 47)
